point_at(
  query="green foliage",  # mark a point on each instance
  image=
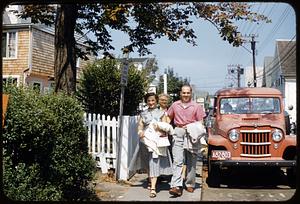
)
(100, 88)
(146, 22)
(45, 147)
(24, 182)
(142, 22)
(174, 84)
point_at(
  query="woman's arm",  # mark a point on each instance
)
(140, 127)
(165, 118)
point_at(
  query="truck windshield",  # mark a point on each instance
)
(248, 105)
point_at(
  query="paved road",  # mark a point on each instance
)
(249, 185)
(245, 185)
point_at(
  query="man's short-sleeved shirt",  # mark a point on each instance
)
(185, 113)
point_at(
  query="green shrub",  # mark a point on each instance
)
(23, 182)
(45, 147)
(100, 88)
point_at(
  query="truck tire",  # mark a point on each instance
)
(214, 176)
(291, 176)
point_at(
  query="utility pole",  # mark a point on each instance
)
(234, 74)
(253, 56)
(239, 76)
(253, 36)
(240, 71)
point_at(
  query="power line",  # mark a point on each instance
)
(275, 28)
(245, 24)
(273, 31)
(286, 50)
(289, 51)
(260, 28)
(249, 24)
(270, 35)
(284, 59)
(269, 72)
(253, 25)
(259, 25)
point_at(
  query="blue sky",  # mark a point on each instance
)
(206, 65)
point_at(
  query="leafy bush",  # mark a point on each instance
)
(100, 89)
(45, 155)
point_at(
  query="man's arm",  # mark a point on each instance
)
(200, 114)
(170, 114)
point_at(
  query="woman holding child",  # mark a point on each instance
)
(151, 131)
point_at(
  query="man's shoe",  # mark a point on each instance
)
(175, 191)
(190, 189)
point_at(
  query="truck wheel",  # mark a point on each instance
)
(214, 176)
(291, 176)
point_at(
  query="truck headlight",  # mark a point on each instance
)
(277, 135)
(234, 135)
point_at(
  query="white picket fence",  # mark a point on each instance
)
(102, 141)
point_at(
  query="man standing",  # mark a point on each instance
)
(184, 112)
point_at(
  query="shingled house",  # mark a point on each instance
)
(28, 52)
(280, 73)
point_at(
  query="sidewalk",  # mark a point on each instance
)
(136, 189)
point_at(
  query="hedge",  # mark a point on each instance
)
(45, 155)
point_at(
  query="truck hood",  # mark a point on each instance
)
(227, 122)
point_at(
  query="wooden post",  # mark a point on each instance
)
(4, 106)
(123, 162)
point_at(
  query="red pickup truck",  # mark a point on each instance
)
(247, 127)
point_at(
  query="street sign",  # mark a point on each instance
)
(124, 75)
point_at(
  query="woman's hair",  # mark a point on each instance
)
(150, 94)
(163, 94)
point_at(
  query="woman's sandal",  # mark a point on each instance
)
(149, 185)
(152, 193)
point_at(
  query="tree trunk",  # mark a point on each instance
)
(65, 56)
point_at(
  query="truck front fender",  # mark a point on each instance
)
(218, 140)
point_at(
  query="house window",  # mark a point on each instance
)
(10, 80)
(37, 86)
(9, 45)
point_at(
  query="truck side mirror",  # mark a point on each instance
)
(215, 111)
(209, 123)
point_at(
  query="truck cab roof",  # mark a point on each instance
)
(248, 91)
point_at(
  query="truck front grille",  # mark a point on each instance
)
(255, 143)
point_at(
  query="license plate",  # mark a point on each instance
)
(220, 155)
